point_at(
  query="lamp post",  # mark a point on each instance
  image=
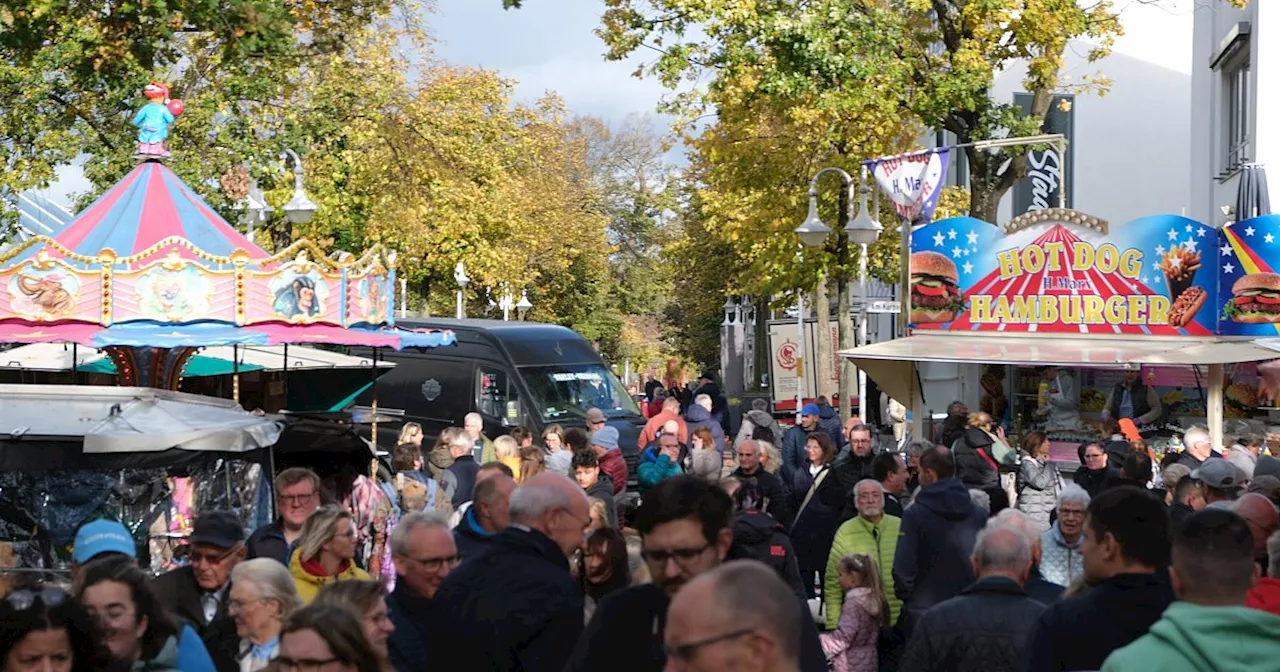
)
(814, 233)
(523, 307)
(299, 209)
(862, 231)
(506, 304)
(460, 277)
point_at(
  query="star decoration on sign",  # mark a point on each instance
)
(1269, 238)
(1249, 231)
(1200, 232)
(955, 252)
(967, 251)
(968, 268)
(1229, 268)
(1159, 249)
(1226, 249)
(1173, 234)
(1175, 262)
(938, 239)
(972, 237)
(951, 234)
(1188, 228)
(1190, 245)
(1144, 279)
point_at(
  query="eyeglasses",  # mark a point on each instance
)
(1092, 456)
(435, 564)
(306, 664)
(687, 651)
(239, 605)
(24, 599)
(196, 557)
(296, 500)
(682, 556)
(1062, 513)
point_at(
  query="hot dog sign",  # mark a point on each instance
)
(1058, 271)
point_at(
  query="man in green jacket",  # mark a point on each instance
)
(1208, 628)
(872, 533)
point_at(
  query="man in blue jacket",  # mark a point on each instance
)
(935, 539)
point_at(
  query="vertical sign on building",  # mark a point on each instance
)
(1041, 187)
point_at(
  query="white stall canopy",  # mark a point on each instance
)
(132, 419)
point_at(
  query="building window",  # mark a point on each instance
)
(1235, 109)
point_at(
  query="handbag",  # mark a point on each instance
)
(817, 481)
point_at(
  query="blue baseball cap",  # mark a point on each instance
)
(102, 536)
(810, 409)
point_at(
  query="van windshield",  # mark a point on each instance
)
(565, 392)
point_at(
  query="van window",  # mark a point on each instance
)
(497, 395)
(567, 391)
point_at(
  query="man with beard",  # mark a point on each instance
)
(855, 464)
(686, 528)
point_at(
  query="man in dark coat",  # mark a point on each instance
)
(984, 627)
(829, 422)
(460, 477)
(686, 525)
(931, 563)
(777, 504)
(516, 606)
(486, 517)
(198, 593)
(424, 553)
(854, 464)
(1126, 555)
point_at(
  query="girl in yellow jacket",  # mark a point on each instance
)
(325, 552)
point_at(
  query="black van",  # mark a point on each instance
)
(512, 374)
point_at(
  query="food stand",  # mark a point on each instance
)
(1059, 301)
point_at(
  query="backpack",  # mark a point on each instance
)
(418, 496)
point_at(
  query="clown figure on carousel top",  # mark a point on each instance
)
(154, 119)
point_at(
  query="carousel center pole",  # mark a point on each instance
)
(235, 373)
(373, 433)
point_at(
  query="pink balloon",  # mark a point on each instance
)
(176, 108)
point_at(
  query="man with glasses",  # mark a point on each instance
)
(855, 464)
(198, 592)
(515, 606)
(297, 495)
(739, 616)
(685, 525)
(424, 553)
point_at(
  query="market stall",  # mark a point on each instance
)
(1049, 312)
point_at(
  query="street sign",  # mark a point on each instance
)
(884, 307)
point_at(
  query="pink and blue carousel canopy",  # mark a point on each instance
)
(150, 264)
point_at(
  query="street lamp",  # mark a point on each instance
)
(506, 304)
(460, 277)
(729, 307)
(812, 232)
(863, 231)
(523, 307)
(299, 209)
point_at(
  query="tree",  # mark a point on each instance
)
(934, 60)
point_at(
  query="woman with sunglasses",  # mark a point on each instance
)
(43, 630)
(326, 552)
(326, 638)
(133, 625)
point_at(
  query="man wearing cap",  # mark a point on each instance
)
(1219, 482)
(596, 420)
(605, 444)
(198, 592)
(793, 440)
(103, 539)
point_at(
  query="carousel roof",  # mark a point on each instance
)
(149, 205)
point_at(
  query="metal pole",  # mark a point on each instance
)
(235, 373)
(800, 382)
(460, 315)
(284, 382)
(404, 295)
(862, 333)
(1062, 187)
(373, 378)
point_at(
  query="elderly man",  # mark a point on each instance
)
(1261, 515)
(1036, 587)
(517, 607)
(985, 627)
(1209, 626)
(872, 533)
(486, 517)
(1060, 560)
(750, 453)
(459, 479)
(199, 593)
(1219, 482)
(297, 492)
(699, 417)
(1198, 448)
(482, 450)
(739, 616)
(424, 553)
(670, 413)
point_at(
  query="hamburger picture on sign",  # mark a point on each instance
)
(1249, 268)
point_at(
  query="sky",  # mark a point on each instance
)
(549, 45)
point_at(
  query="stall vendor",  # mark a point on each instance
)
(1133, 399)
(1062, 404)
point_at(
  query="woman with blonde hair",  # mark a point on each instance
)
(325, 552)
(262, 597)
(508, 452)
(369, 600)
(532, 463)
(411, 433)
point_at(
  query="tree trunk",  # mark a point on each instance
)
(844, 324)
(822, 358)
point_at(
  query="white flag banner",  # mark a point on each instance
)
(912, 181)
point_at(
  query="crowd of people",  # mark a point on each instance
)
(801, 549)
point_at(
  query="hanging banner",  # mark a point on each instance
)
(912, 181)
(1048, 170)
(1057, 271)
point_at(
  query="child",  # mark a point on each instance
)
(851, 647)
(508, 453)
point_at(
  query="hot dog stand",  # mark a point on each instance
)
(1057, 304)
